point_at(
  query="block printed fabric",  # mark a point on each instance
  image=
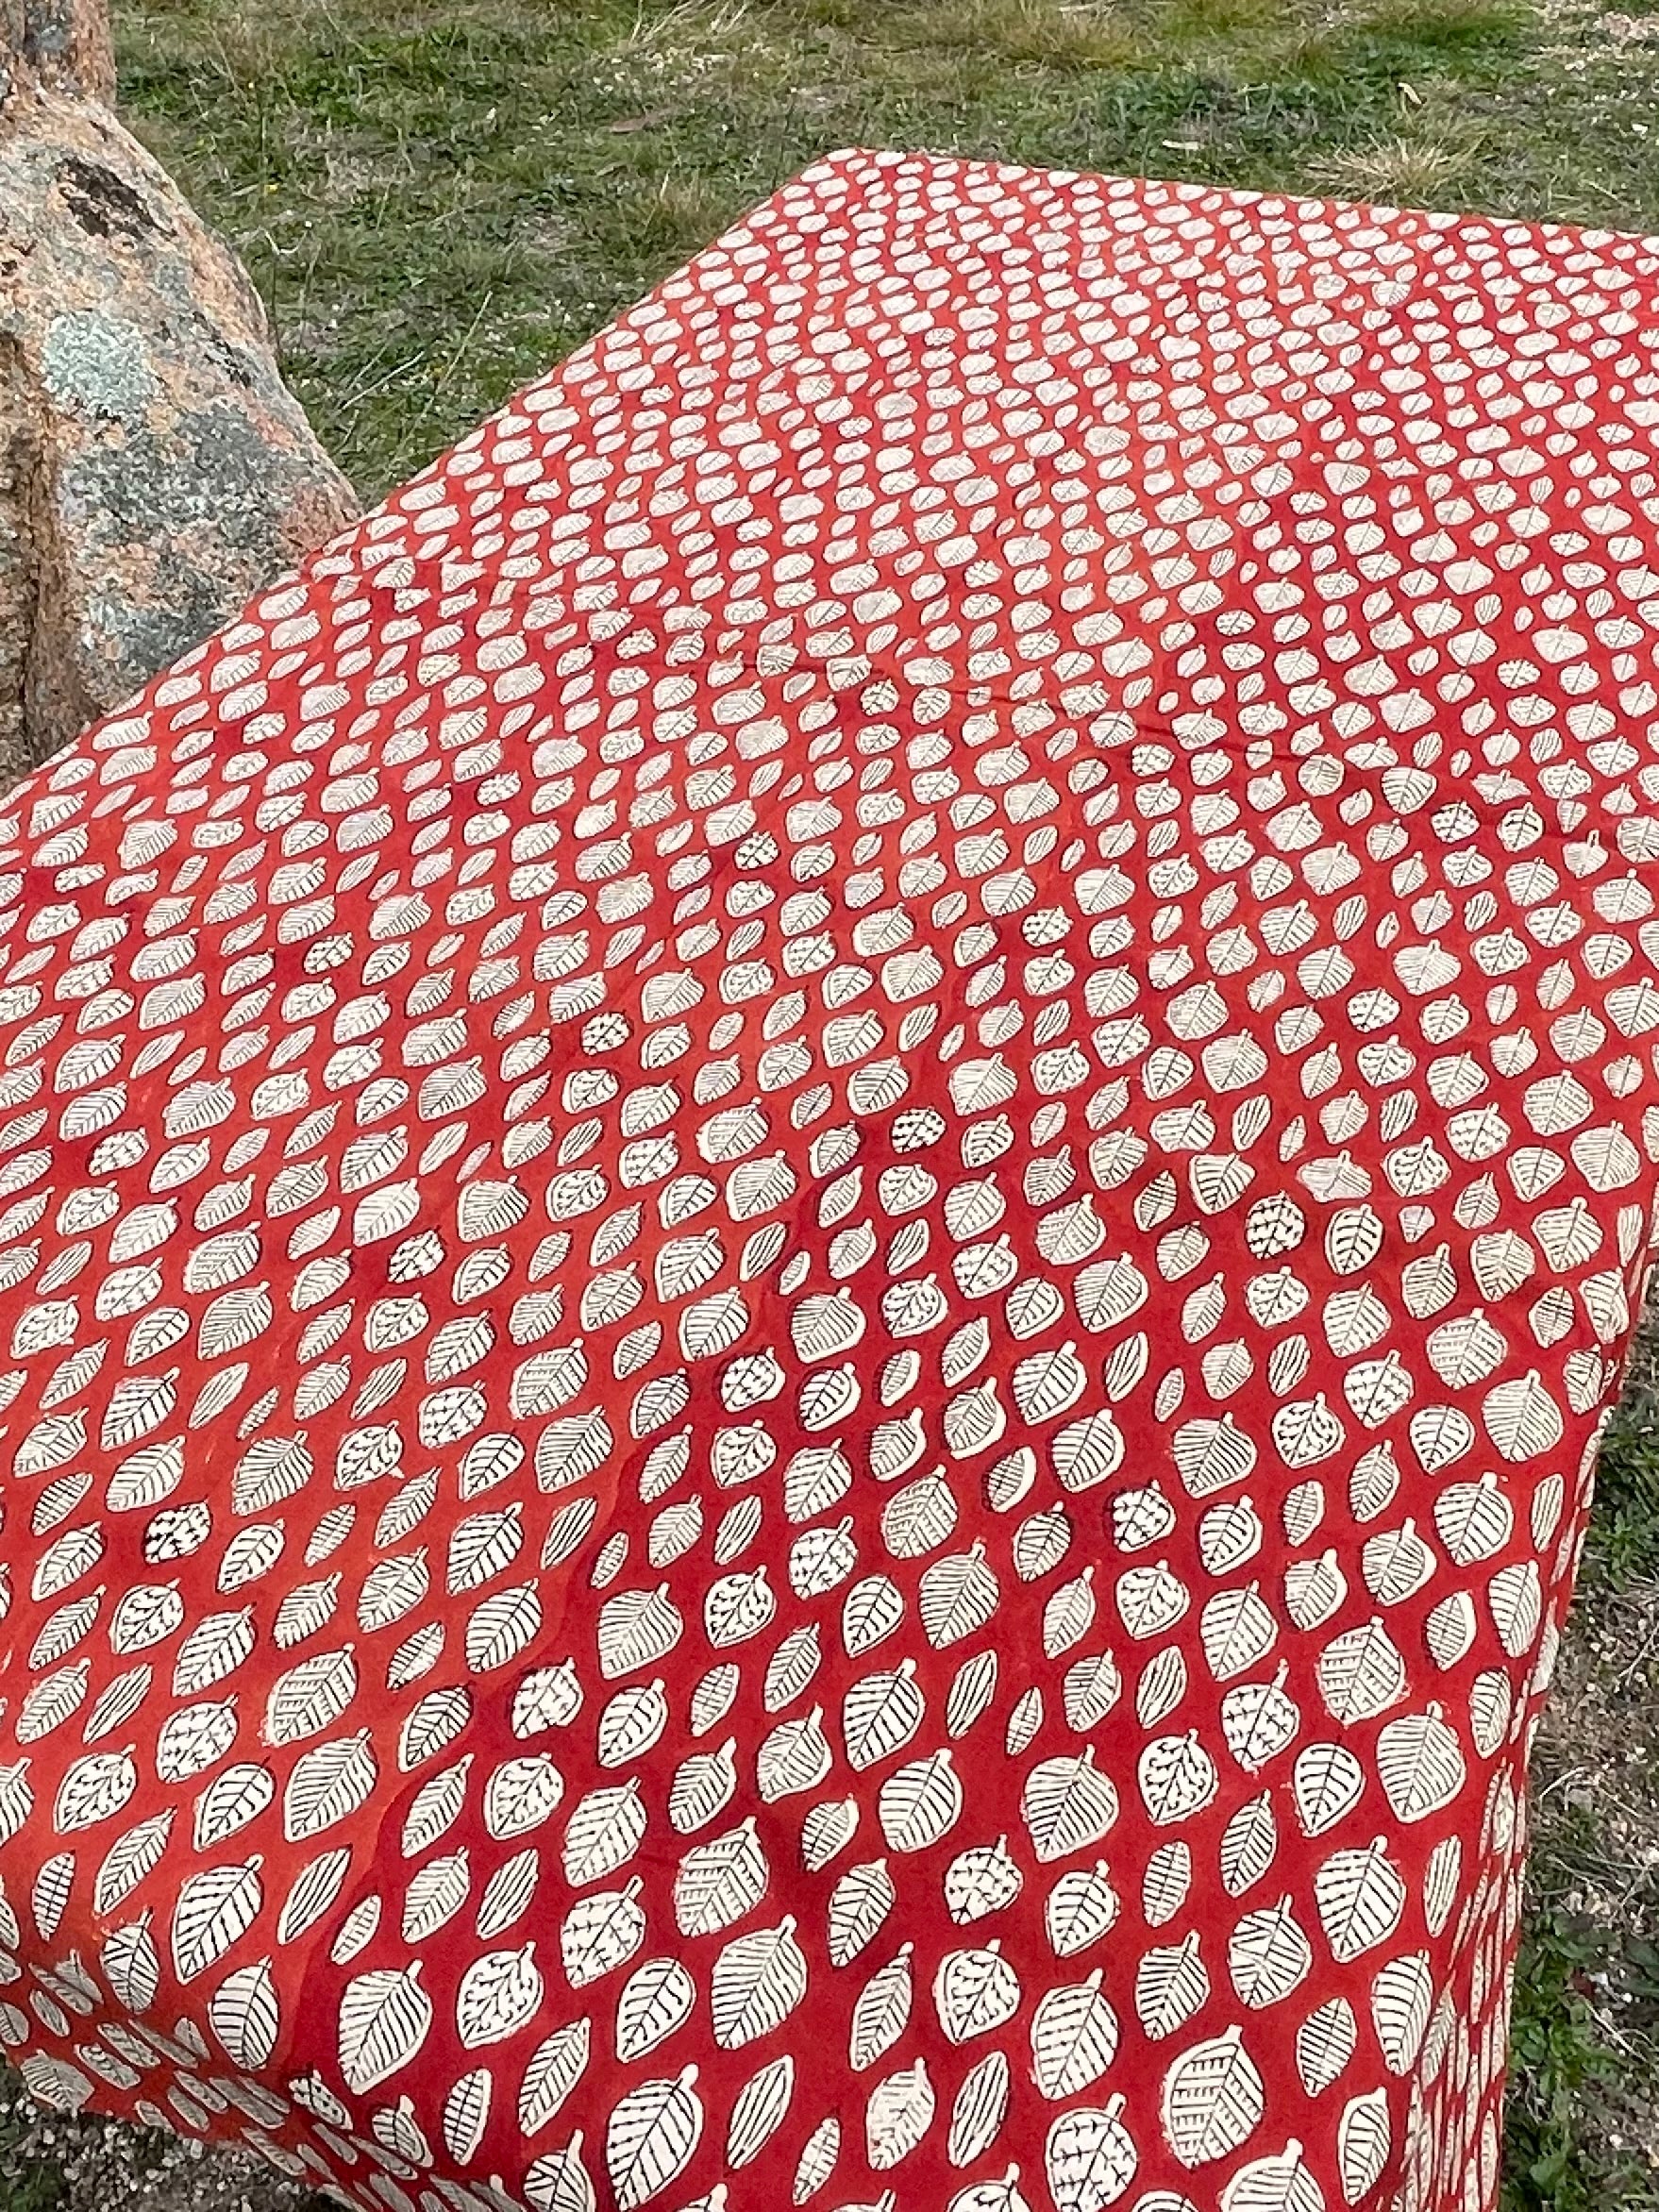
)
(816, 1208)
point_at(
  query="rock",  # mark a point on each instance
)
(154, 469)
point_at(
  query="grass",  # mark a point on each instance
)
(439, 198)
(1583, 2105)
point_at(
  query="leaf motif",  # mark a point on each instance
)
(556, 2066)
(313, 1891)
(309, 1697)
(858, 1908)
(1523, 1419)
(1324, 2044)
(1268, 1956)
(132, 1967)
(755, 1983)
(1067, 1805)
(1401, 1997)
(880, 1715)
(980, 2109)
(920, 1802)
(600, 1932)
(1090, 2157)
(467, 2113)
(1171, 1983)
(215, 1909)
(235, 1319)
(959, 1596)
(385, 2018)
(499, 1994)
(1213, 2100)
(971, 1693)
(1362, 2142)
(1420, 1764)
(981, 1880)
(138, 1404)
(1361, 1898)
(818, 2161)
(328, 1784)
(1074, 2038)
(719, 1882)
(506, 1623)
(882, 2011)
(657, 1997)
(1361, 1673)
(1176, 1778)
(245, 2015)
(758, 2111)
(652, 2133)
(1248, 1845)
(561, 2182)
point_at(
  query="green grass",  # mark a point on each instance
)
(1585, 2081)
(437, 199)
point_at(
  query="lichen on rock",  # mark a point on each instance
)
(154, 469)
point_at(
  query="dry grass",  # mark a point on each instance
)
(1400, 172)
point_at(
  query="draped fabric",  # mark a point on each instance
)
(816, 1207)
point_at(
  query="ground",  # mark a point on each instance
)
(439, 196)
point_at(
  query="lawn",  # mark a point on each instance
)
(437, 198)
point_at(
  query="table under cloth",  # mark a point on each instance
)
(815, 1208)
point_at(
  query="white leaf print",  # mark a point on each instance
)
(981, 1880)
(1213, 2100)
(245, 2016)
(1280, 2184)
(555, 2068)
(758, 2111)
(215, 1909)
(1523, 1419)
(1176, 1778)
(1090, 2157)
(656, 1999)
(1401, 1997)
(600, 1932)
(311, 1892)
(1361, 1673)
(980, 2109)
(1074, 2038)
(1324, 2044)
(897, 2115)
(880, 1715)
(1269, 1955)
(920, 1802)
(975, 1992)
(1171, 1983)
(385, 2016)
(1362, 2141)
(1361, 1896)
(1248, 1845)
(1083, 1905)
(467, 2113)
(757, 1982)
(1420, 1764)
(132, 1967)
(719, 1882)
(859, 1906)
(499, 1994)
(605, 1830)
(560, 2182)
(1067, 1805)
(882, 2011)
(652, 2133)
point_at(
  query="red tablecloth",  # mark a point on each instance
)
(814, 1208)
